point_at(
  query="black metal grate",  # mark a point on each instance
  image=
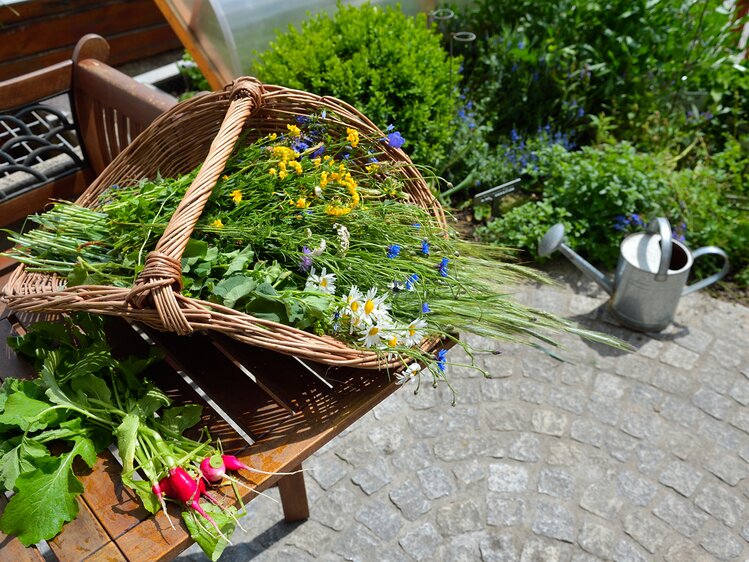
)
(37, 144)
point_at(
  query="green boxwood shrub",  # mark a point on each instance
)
(389, 66)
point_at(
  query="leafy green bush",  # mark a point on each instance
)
(596, 192)
(562, 59)
(391, 67)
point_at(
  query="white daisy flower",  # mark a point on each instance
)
(375, 307)
(415, 332)
(323, 283)
(407, 374)
(372, 336)
(354, 302)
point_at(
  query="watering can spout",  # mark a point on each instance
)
(553, 240)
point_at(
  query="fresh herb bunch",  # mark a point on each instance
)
(84, 400)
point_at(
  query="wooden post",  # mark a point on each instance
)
(294, 497)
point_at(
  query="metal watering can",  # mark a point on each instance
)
(651, 275)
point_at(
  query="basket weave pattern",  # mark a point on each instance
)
(204, 131)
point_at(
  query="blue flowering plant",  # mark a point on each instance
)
(312, 228)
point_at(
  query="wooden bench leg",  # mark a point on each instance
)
(294, 497)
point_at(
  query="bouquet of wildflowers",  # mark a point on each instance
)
(312, 229)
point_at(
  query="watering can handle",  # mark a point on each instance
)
(715, 276)
(661, 226)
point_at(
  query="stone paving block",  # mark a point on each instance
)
(681, 444)
(556, 482)
(497, 389)
(679, 357)
(605, 410)
(463, 548)
(596, 539)
(721, 503)
(505, 511)
(671, 380)
(646, 396)
(711, 402)
(722, 434)
(587, 431)
(423, 400)
(609, 386)
(626, 551)
(726, 467)
(554, 521)
(498, 548)
(680, 411)
(539, 551)
(459, 517)
(680, 515)
(562, 453)
(467, 391)
(681, 477)
(569, 399)
(635, 368)
(356, 451)
(425, 424)
(469, 472)
(326, 471)
(695, 339)
(740, 391)
(508, 418)
(641, 425)
(435, 482)
(455, 446)
(722, 544)
(507, 478)
(356, 543)
(461, 419)
(388, 438)
(532, 391)
(373, 477)
(409, 498)
(619, 445)
(648, 458)
(578, 376)
(710, 374)
(637, 490)
(390, 407)
(525, 448)
(727, 353)
(383, 520)
(582, 556)
(539, 368)
(740, 419)
(310, 536)
(414, 457)
(601, 499)
(683, 552)
(649, 532)
(422, 542)
(335, 508)
(548, 422)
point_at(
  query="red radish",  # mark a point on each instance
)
(184, 486)
(213, 468)
(161, 489)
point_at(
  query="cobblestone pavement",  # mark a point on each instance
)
(608, 456)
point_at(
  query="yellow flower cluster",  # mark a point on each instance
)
(217, 224)
(236, 196)
(294, 130)
(337, 210)
(352, 135)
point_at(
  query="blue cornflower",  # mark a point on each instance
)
(319, 151)
(620, 223)
(393, 251)
(302, 119)
(580, 112)
(389, 128)
(425, 308)
(395, 139)
(443, 267)
(299, 145)
(514, 136)
(410, 282)
(425, 247)
(635, 219)
(441, 360)
(416, 225)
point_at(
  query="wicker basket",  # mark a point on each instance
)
(204, 130)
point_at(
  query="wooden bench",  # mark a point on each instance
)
(271, 410)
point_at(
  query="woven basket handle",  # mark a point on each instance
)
(162, 271)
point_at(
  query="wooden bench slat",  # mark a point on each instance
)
(80, 537)
(108, 553)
